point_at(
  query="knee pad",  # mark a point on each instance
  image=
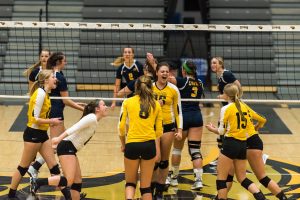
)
(163, 164)
(76, 186)
(63, 181)
(265, 181)
(194, 150)
(156, 166)
(130, 185)
(55, 170)
(176, 151)
(22, 170)
(246, 183)
(221, 184)
(229, 178)
(145, 190)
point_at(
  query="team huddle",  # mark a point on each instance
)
(153, 119)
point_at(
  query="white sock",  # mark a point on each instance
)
(198, 173)
(40, 160)
(175, 170)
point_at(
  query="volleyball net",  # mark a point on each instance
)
(265, 58)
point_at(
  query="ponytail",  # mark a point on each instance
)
(90, 107)
(43, 76)
(143, 88)
(118, 61)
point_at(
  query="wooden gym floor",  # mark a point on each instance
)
(102, 162)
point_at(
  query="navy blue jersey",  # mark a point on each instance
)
(224, 79)
(33, 76)
(130, 73)
(189, 88)
(61, 85)
(131, 86)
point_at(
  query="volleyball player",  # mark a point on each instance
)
(169, 98)
(35, 135)
(68, 144)
(224, 77)
(234, 120)
(149, 70)
(255, 158)
(128, 69)
(191, 88)
(33, 71)
(56, 62)
(145, 127)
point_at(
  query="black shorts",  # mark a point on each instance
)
(169, 127)
(254, 142)
(234, 149)
(192, 119)
(57, 111)
(66, 147)
(140, 150)
(35, 135)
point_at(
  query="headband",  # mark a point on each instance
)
(186, 68)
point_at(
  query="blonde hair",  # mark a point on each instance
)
(43, 76)
(143, 88)
(220, 60)
(120, 60)
(233, 92)
(28, 71)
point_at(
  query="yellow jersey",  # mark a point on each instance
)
(171, 107)
(39, 107)
(254, 116)
(143, 126)
(232, 124)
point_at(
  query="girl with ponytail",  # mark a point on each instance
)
(141, 147)
(68, 144)
(234, 122)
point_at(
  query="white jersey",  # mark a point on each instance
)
(81, 132)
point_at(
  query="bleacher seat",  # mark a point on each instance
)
(246, 52)
(239, 3)
(251, 65)
(129, 3)
(240, 14)
(95, 77)
(121, 37)
(122, 12)
(250, 38)
(5, 11)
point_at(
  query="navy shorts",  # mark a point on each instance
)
(35, 135)
(140, 150)
(254, 142)
(192, 119)
(57, 111)
(169, 127)
(66, 147)
(234, 148)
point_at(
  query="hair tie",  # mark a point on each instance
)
(186, 68)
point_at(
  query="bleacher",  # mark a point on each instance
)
(99, 49)
(249, 55)
(6, 10)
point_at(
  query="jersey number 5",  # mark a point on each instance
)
(241, 122)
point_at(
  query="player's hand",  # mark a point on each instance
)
(56, 121)
(54, 142)
(178, 135)
(210, 127)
